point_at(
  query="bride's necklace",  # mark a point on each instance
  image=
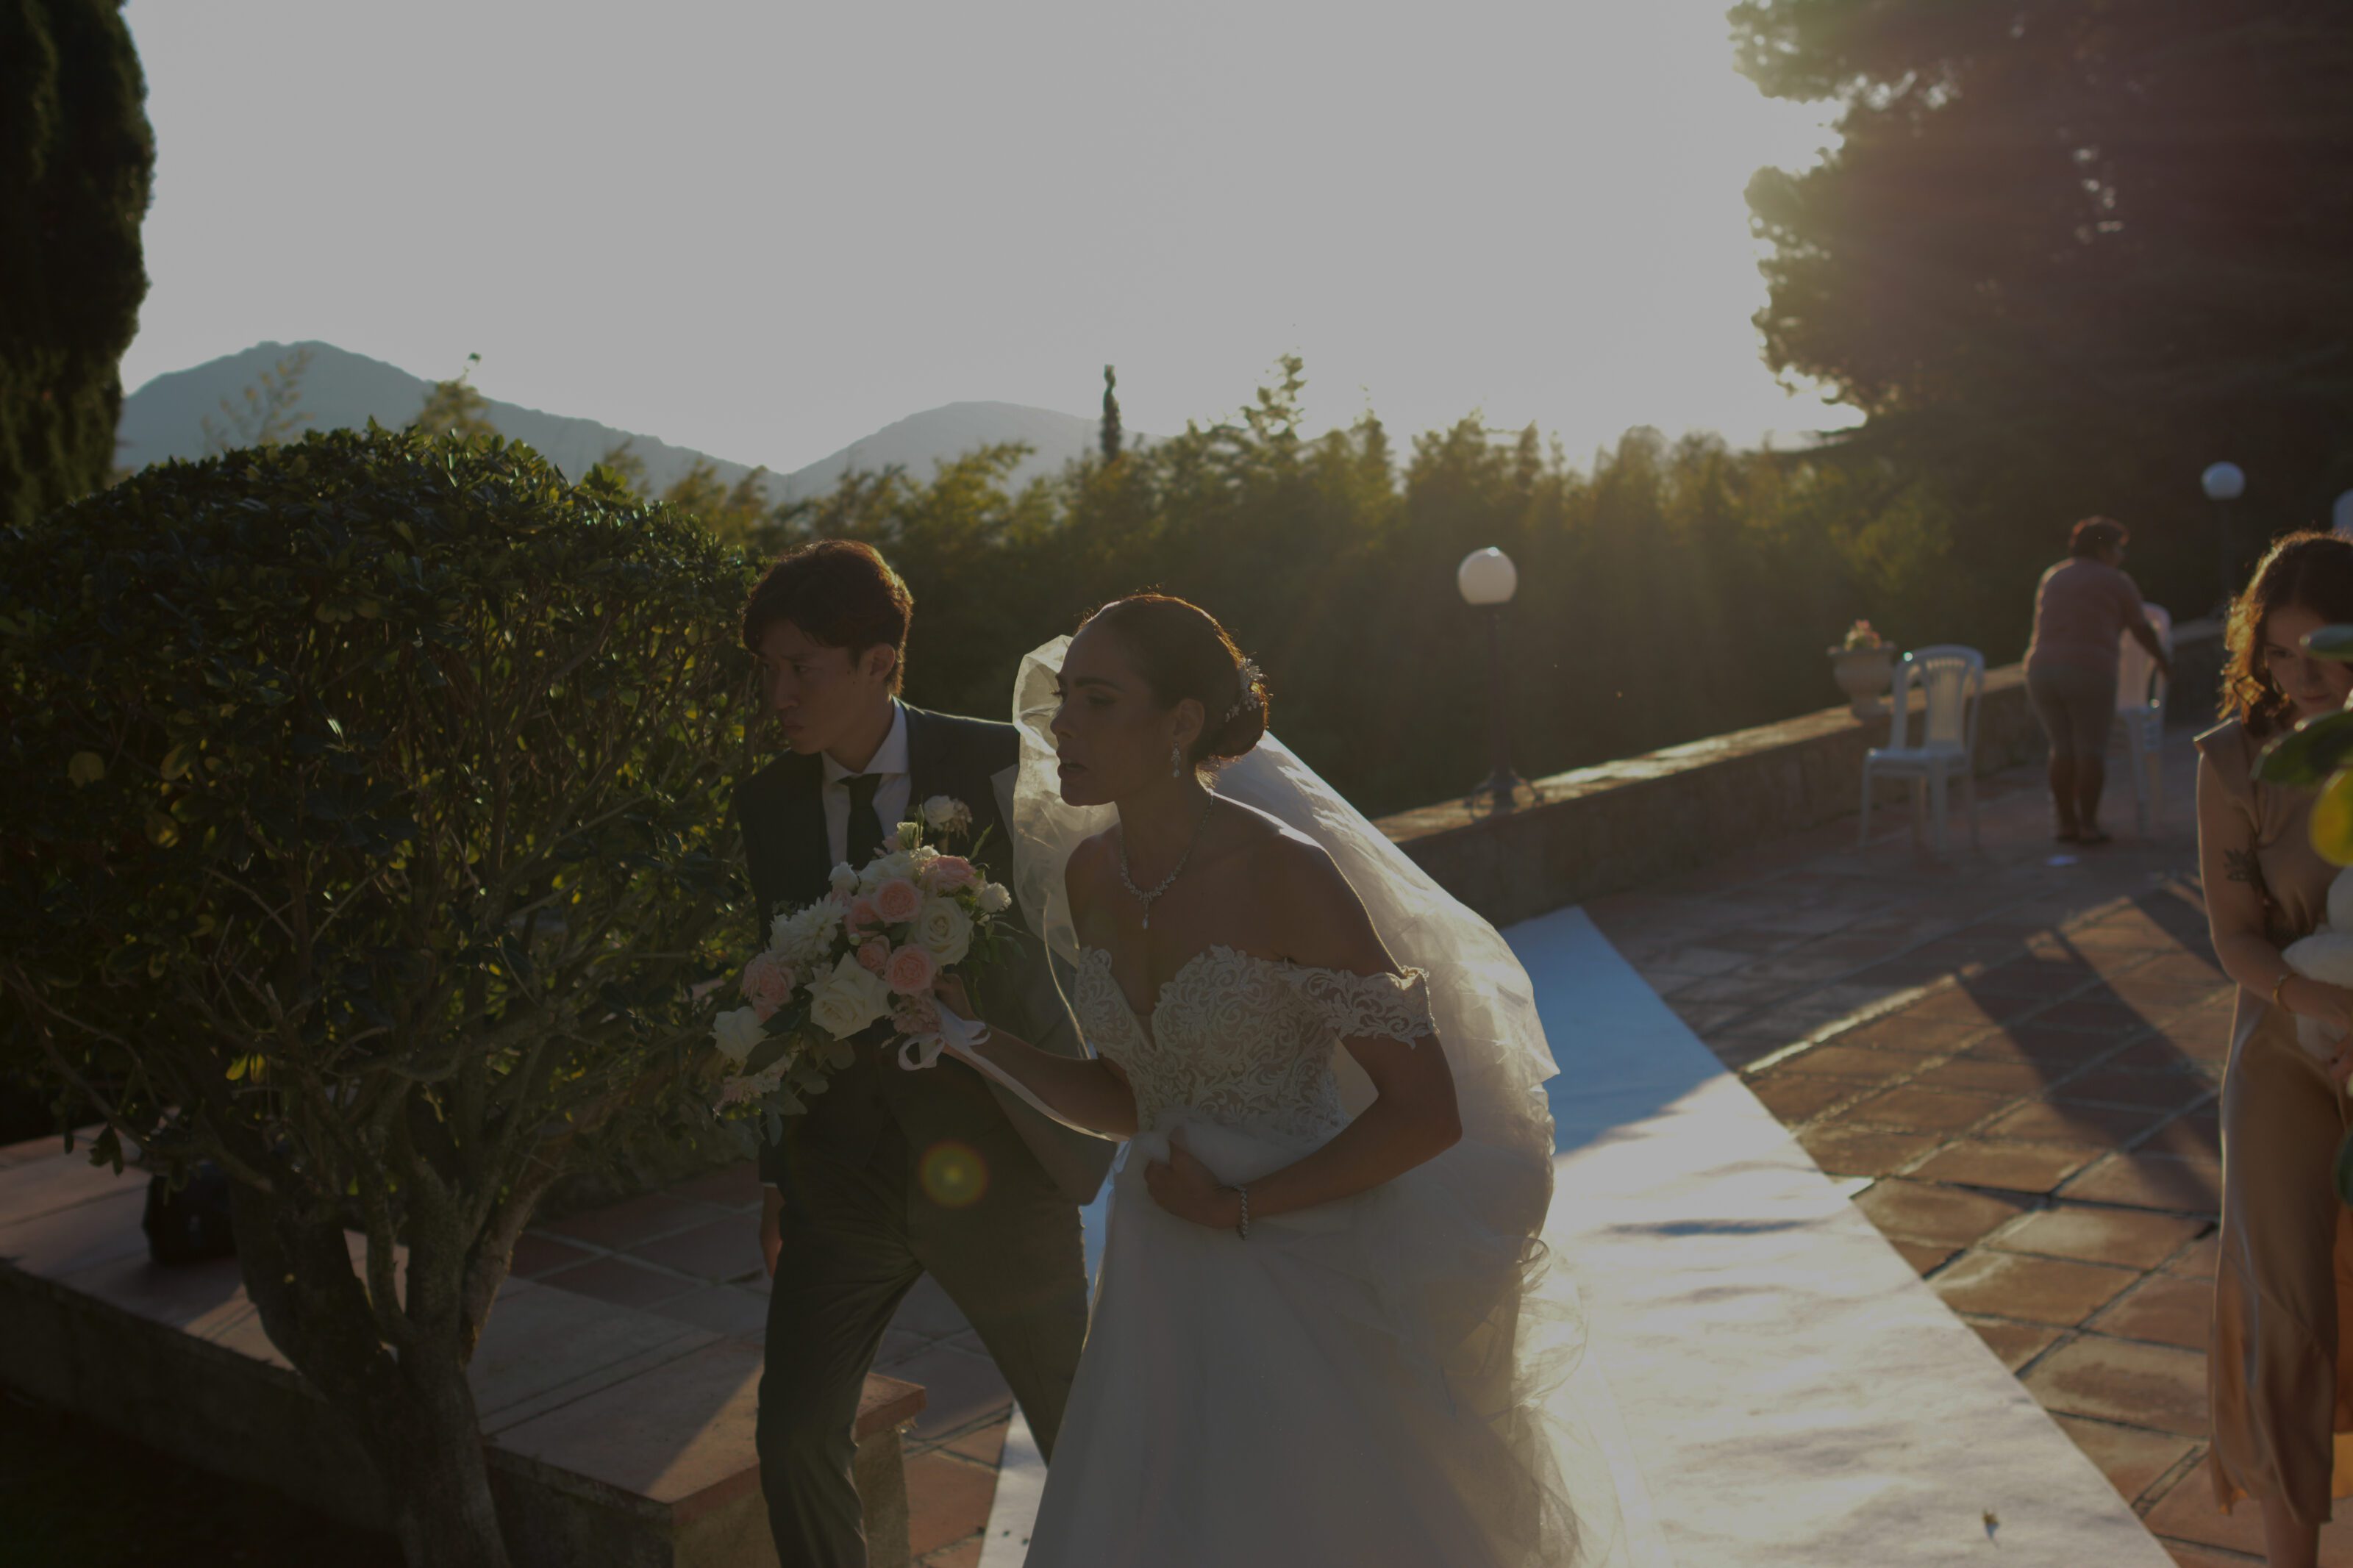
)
(1141, 896)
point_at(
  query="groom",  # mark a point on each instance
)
(893, 1173)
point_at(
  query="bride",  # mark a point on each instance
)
(1323, 1330)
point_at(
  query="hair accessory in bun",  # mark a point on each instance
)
(1250, 675)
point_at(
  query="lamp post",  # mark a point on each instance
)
(1487, 580)
(2224, 483)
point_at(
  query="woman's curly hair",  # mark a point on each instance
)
(2312, 571)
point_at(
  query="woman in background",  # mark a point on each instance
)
(2082, 609)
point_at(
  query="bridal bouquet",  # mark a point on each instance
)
(874, 949)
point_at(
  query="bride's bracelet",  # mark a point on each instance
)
(1243, 1229)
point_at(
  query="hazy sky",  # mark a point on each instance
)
(766, 229)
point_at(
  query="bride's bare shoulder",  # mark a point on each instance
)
(1298, 871)
(1323, 921)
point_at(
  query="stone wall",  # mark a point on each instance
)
(1602, 829)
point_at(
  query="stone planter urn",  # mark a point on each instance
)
(1864, 674)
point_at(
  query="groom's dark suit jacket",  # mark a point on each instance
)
(781, 816)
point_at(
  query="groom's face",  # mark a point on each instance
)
(819, 694)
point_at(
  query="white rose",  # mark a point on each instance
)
(944, 931)
(788, 934)
(735, 1033)
(900, 863)
(845, 878)
(996, 898)
(805, 936)
(946, 814)
(848, 999)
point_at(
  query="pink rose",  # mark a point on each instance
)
(912, 970)
(916, 1016)
(949, 874)
(874, 954)
(864, 917)
(767, 985)
(898, 901)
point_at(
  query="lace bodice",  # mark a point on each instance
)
(1245, 1040)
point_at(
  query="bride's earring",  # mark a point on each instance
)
(1176, 761)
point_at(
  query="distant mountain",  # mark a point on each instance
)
(166, 418)
(951, 431)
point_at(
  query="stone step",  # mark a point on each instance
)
(617, 1438)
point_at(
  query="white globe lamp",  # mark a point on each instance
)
(2223, 481)
(1487, 580)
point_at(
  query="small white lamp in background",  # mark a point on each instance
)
(2224, 483)
(1488, 580)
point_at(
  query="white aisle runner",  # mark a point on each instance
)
(1796, 1395)
(1774, 1385)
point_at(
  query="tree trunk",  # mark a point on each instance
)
(433, 1467)
(411, 1408)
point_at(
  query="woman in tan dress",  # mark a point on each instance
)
(2281, 1408)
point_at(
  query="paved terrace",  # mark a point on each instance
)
(2012, 1059)
(2009, 1057)
(691, 1253)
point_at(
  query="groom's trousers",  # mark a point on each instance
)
(977, 1212)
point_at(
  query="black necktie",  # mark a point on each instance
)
(865, 840)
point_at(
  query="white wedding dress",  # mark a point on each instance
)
(1367, 1382)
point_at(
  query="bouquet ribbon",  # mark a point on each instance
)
(917, 1052)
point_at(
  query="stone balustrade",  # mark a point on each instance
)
(1614, 826)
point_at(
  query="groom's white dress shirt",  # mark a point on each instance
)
(890, 796)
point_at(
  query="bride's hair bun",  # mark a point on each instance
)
(1181, 651)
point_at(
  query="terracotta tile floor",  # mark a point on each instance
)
(2014, 1054)
(692, 1253)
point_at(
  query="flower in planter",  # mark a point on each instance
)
(1860, 636)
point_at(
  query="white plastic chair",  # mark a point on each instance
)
(2140, 714)
(1953, 676)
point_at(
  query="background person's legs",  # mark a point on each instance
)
(2063, 796)
(2051, 711)
(2091, 698)
(2076, 708)
(2091, 779)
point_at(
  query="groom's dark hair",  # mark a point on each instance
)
(837, 591)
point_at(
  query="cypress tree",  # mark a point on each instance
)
(77, 163)
(1112, 434)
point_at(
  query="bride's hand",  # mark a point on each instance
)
(1189, 1190)
(951, 994)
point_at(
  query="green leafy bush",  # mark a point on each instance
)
(365, 838)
